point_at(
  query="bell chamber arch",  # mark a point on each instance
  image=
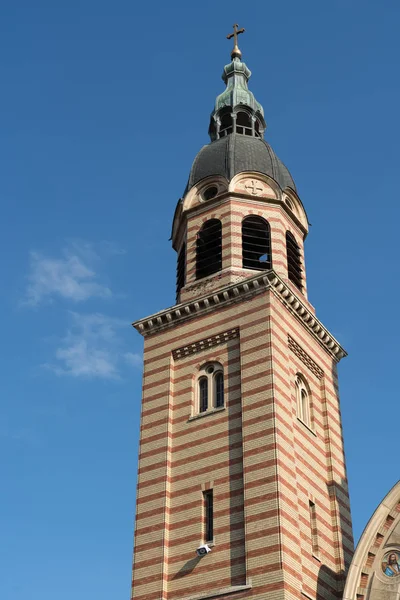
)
(256, 243)
(209, 249)
(238, 119)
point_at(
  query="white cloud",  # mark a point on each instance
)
(72, 276)
(93, 348)
(134, 360)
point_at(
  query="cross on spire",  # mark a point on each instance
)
(235, 52)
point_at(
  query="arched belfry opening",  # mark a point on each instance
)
(209, 249)
(181, 269)
(236, 119)
(244, 124)
(256, 243)
(226, 123)
(295, 271)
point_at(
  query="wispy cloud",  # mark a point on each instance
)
(71, 276)
(93, 348)
(133, 360)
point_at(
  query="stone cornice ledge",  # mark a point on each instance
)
(223, 592)
(235, 293)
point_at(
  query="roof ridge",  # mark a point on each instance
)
(230, 156)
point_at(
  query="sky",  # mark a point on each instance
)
(104, 106)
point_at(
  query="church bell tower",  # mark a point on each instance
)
(242, 489)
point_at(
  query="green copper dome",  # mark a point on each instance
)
(236, 110)
(236, 76)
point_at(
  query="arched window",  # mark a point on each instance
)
(256, 243)
(244, 124)
(203, 394)
(239, 119)
(226, 124)
(303, 401)
(181, 269)
(219, 388)
(210, 387)
(209, 249)
(293, 260)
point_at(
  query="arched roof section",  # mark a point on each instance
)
(235, 154)
(369, 577)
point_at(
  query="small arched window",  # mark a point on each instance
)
(226, 125)
(289, 203)
(244, 124)
(203, 394)
(210, 387)
(209, 249)
(219, 388)
(181, 270)
(303, 401)
(256, 243)
(293, 260)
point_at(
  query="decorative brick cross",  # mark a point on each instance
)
(253, 187)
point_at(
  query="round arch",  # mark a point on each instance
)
(380, 537)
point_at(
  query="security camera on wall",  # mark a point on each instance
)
(202, 550)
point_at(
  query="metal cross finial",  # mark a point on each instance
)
(235, 52)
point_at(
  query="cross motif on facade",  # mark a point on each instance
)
(253, 187)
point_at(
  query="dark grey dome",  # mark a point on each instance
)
(235, 154)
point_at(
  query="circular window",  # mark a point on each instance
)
(210, 370)
(391, 563)
(210, 192)
(289, 203)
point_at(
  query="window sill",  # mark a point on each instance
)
(305, 595)
(306, 426)
(258, 268)
(212, 411)
(316, 556)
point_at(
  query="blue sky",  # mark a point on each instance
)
(103, 107)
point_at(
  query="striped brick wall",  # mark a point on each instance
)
(231, 213)
(264, 465)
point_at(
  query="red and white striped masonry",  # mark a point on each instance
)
(263, 464)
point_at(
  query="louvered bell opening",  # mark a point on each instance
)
(294, 261)
(181, 270)
(209, 249)
(256, 244)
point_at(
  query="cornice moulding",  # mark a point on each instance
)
(237, 292)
